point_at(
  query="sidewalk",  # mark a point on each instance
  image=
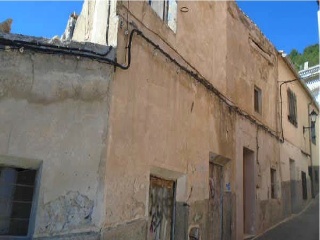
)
(305, 226)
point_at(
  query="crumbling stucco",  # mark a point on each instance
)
(54, 108)
(66, 213)
(43, 79)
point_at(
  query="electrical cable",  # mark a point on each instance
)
(51, 49)
(97, 56)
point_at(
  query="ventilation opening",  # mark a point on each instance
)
(16, 196)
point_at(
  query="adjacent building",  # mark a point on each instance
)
(160, 120)
(310, 77)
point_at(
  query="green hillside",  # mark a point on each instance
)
(310, 54)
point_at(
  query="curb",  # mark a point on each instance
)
(316, 198)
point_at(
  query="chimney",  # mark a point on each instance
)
(305, 65)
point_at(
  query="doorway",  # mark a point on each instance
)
(248, 192)
(161, 209)
(215, 201)
(292, 185)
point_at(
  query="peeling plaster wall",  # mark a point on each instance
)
(252, 61)
(164, 123)
(188, 35)
(55, 109)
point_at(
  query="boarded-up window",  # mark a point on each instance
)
(166, 10)
(16, 196)
(273, 183)
(304, 185)
(161, 209)
(257, 100)
(292, 108)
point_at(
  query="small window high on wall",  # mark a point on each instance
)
(257, 100)
(16, 197)
(166, 10)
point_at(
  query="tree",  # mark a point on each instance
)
(310, 54)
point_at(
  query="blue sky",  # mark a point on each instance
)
(37, 18)
(288, 24)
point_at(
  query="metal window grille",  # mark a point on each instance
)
(16, 195)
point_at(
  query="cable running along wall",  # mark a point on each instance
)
(102, 57)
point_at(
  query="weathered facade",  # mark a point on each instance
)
(54, 119)
(187, 128)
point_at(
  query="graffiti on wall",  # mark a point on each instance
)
(161, 200)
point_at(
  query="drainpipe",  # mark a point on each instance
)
(311, 158)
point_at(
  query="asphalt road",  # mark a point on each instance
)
(302, 227)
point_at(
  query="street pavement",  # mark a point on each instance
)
(305, 226)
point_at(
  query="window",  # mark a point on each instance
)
(304, 185)
(292, 108)
(161, 210)
(273, 183)
(257, 100)
(166, 10)
(313, 133)
(16, 196)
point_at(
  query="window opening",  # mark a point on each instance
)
(257, 100)
(16, 196)
(292, 108)
(273, 183)
(166, 10)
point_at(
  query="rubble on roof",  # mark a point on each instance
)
(6, 39)
(68, 33)
(5, 26)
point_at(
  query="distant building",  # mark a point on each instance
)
(311, 78)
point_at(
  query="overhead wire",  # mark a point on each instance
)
(49, 48)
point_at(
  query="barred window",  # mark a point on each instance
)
(16, 197)
(292, 108)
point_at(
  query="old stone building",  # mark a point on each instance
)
(159, 120)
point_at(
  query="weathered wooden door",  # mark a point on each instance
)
(215, 201)
(161, 202)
